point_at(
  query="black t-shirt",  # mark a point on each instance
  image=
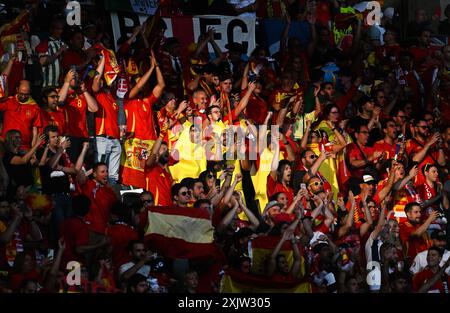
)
(53, 181)
(18, 174)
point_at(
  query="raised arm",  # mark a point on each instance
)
(436, 277)
(92, 104)
(381, 222)
(244, 82)
(98, 74)
(81, 177)
(17, 160)
(412, 173)
(144, 79)
(228, 218)
(71, 74)
(244, 101)
(420, 156)
(7, 70)
(272, 264)
(49, 283)
(251, 217)
(229, 193)
(423, 228)
(160, 84)
(349, 220)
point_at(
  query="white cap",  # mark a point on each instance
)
(368, 178)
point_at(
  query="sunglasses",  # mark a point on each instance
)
(184, 193)
(312, 156)
(147, 201)
(317, 183)
(210, 175)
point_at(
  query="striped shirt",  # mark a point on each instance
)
(51, 72)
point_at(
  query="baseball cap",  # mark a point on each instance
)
(270, 205)
(317, 243)
(368, 179)
(438, 234)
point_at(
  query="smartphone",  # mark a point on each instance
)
(303, 186)
(50, 254)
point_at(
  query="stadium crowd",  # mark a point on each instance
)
(321, 168)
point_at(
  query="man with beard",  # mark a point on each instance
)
(413, 233)
(52, 114)
(196, 189)
(157, 175)
(432, 279)
(425, 148)
(22, 113)
(439, 240)
(432, 196)
(388, 143)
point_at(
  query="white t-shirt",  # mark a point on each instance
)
(368, 247)
(420, 262)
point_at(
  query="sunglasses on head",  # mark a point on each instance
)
(427, 167)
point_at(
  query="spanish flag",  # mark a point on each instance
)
(134, 155)
(259, 180)
(177, 232)
(112, 68)
(258, 281)
(236, 282)
(190, 156)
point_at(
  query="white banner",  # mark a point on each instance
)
(188, 29)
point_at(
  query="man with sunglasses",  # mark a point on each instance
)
(180, 195)
(310, 166)
(360, 156)
(424, 148)
(21, 112)
(52, 114)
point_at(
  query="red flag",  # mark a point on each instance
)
(112, 68)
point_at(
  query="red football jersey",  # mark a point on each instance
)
(21, 116)
(139, 115)
(106, 118)
(75, 108)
